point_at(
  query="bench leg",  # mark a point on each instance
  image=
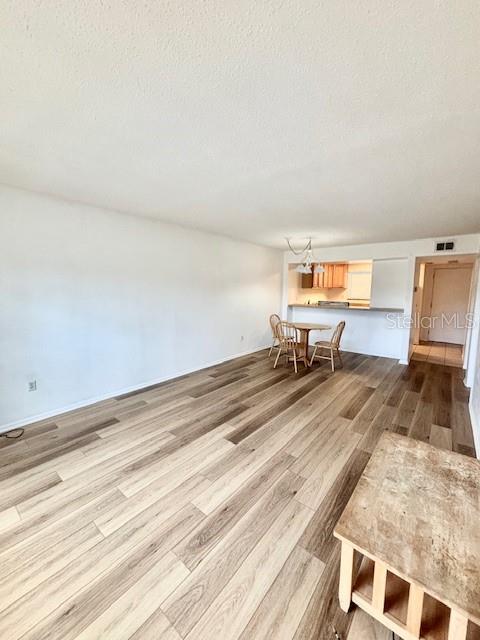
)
(346, 577)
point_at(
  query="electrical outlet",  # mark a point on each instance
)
(32, 385)
(242, 338)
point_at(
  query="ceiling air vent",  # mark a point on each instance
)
(444, 245)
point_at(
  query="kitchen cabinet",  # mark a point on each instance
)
(339, 276)
(334, 277)
(307, 280)
(318, 279)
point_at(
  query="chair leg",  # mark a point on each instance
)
(276, 359)
(313, 355)
(271, 349)
(332, 360)
(295, 361)
(339, 357)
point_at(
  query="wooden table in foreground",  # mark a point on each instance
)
(304, 328)
(415, 518)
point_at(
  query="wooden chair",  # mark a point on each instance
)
(288, 343)
(274, 321)
(332, 345)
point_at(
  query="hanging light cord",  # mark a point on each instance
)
(13, 435)
(308, 247)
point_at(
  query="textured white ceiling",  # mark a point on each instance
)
(352, 121)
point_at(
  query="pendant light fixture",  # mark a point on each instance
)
(307, 259)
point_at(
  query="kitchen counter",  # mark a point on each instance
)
(374, 331)
(352, 307)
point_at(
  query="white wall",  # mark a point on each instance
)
(94, 303)
(425, 311)
(473, 333)
(389, 283)
(475, 402)
(473, 365)
(419, 284)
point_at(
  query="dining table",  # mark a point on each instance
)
(304, 329)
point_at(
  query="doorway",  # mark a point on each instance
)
(442, 302)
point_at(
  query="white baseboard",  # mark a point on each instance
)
(476, 429)
(23, 422)
(376, 354)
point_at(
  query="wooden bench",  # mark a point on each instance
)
(410, 539)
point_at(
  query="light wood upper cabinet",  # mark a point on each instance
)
(334, 277)
(339, 277)
(318, 280)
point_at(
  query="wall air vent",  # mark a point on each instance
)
(444, 245)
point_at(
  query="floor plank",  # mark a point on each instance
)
(364, 627)
(280, 612)
(77, 595)
(231, 611)
(188, 604)
(128, 612)
(213, 528)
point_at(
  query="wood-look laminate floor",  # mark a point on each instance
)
(203, 508)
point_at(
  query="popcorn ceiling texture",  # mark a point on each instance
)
(351, 121)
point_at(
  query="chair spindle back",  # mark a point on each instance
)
(274, 322)
(337, 334)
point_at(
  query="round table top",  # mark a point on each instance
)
(311, 326)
